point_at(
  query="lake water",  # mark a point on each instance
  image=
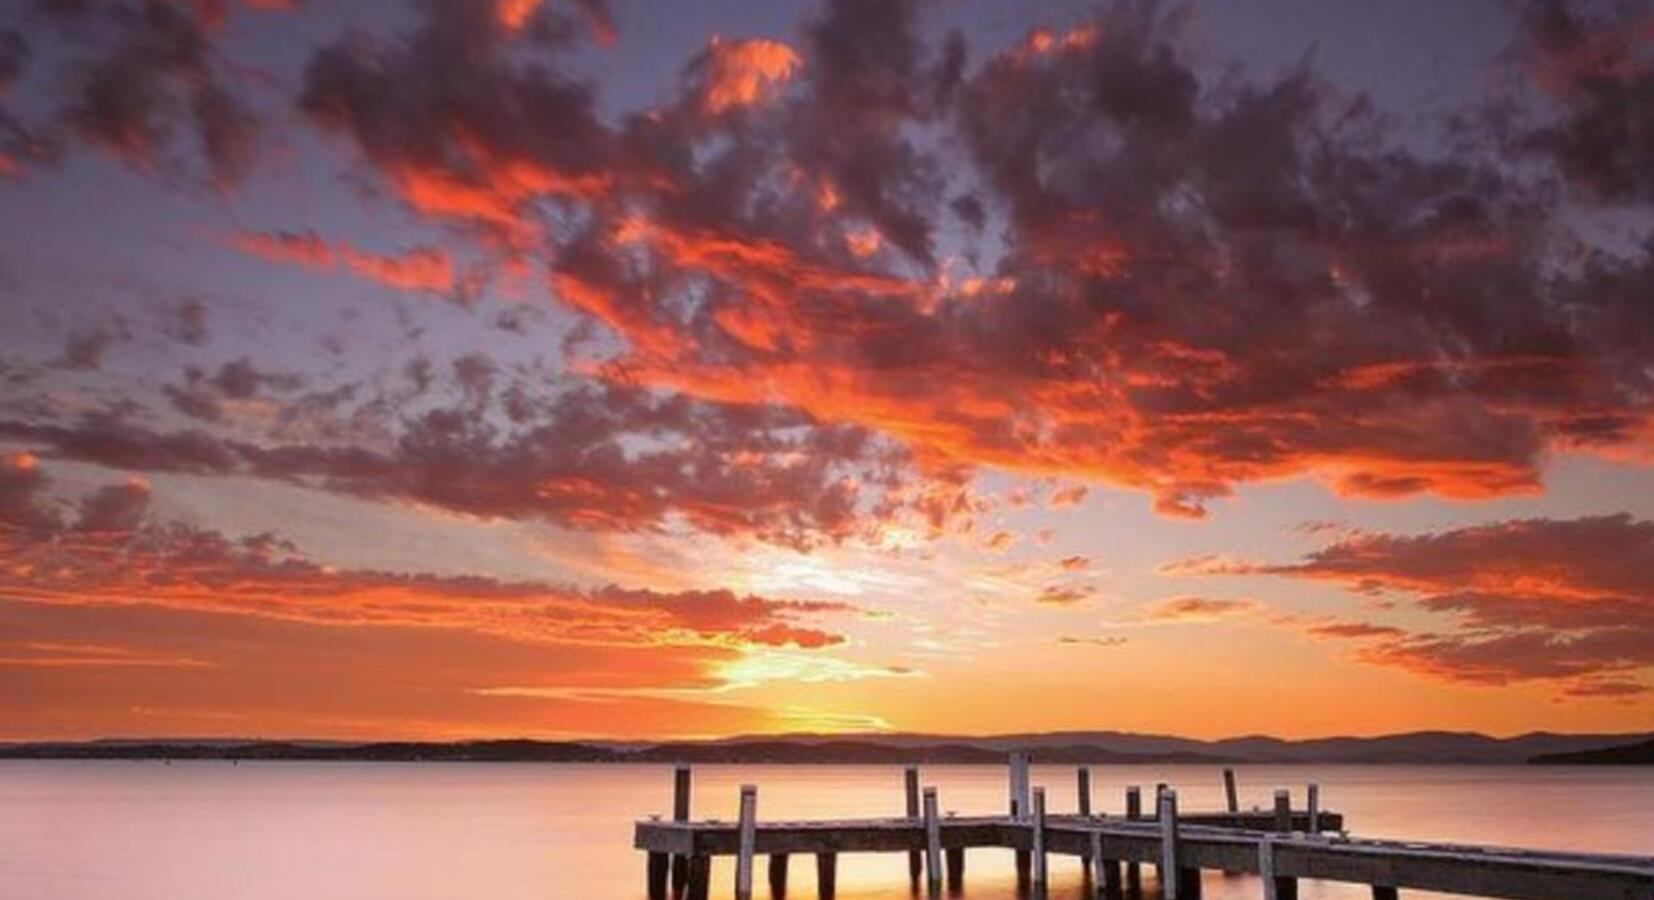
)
(320, 831)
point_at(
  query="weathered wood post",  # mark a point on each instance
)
(748, 841)
(1314, 809)
(933, 845)
(1385, 892)
(680, 813)
(1166, 812)
(1160, 867)
(1134, 810)
(700, 876)
(1275, 887)
(1019, 810)
(826, 875)
(1019, 785)
(1082, 804)
(1283, 810)
(1041, 861)
(1229, 791)
(910, 787)
(778, 874)
(956, 869)
(659, 865)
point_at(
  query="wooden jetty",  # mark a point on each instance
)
(1281, 845)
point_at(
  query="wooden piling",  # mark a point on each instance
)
(1167, 814)
(1229, 791)
(749, 840)
(1019, 785)
(778, 874)
(1134, 810)
(933, 845)
(660, 865)
(700, 877)
(910, 788)
(956, 869)
(1283, 810)
(826, 875)
(1314, 801)
(1275, 887)
(1041, 861)
(680, 813)
(1082, 804)
(1384, 892)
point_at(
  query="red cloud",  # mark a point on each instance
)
(418, 269)
(738, 73)
(111, 553)
(1567, 601)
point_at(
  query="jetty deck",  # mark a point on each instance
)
(1282, 846)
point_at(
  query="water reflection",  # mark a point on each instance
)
(284, 831)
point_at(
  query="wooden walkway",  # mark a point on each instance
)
(1281, 845)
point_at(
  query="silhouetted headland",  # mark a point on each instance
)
(894, 749)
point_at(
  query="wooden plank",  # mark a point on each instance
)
(933, 844)
(749, 841)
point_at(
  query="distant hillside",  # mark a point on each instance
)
(1638, 754)
(1098, 747)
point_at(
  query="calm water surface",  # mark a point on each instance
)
(318, 831)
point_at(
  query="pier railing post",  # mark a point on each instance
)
(1167, 813)
(933, 845)
(1275, 887)
(1019, 810)
(1229, 791)
(749, 840)
(910, 789)
(1019, 785)
(1283, 810)
(680, 813)
(1041, 863)
(1134, 811)
(1314, 809)
(1082, 804)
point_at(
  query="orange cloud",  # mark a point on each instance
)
(1565, 601)
(1197, 609)
(418, 269)
(738, 73)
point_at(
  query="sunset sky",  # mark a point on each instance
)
(617, 368)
